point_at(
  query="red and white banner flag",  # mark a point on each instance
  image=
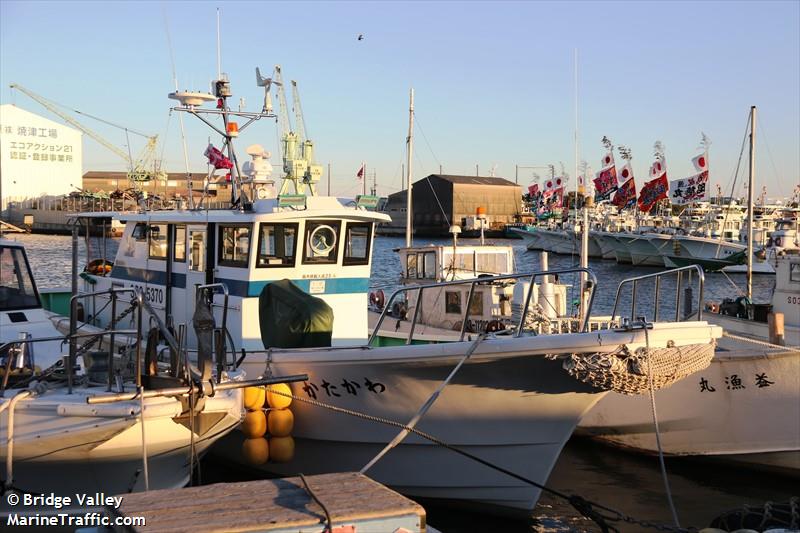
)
(653, 191)
(217, 158)
(360, 173)
(691, 189)
(625, 195)
(533, 189)
(700, 162)
(607, 161)
(625, 173)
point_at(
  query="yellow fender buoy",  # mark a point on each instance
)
(256, 451)
(254, 398)
(254, 424)
(279, 401)
(280, 422)
(281, 449)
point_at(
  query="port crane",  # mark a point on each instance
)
(141, 170)
(297, 151)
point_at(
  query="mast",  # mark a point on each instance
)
(750, 182)
(584, 256)
(409, 152)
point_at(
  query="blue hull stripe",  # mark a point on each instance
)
(241, 288)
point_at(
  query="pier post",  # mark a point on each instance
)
(775, 325)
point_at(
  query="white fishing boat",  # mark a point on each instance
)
(728, 410)
(297, 271)
(71, 424)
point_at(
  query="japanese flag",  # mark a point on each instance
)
(701, 162)
(559, 182)
(657, 169)
(607, 161)
(549, 184)
(626, 173)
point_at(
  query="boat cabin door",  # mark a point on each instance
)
(196, 257)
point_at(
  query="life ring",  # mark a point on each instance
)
(99, 267)
(377, 299)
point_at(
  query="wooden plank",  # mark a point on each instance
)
(269, 505)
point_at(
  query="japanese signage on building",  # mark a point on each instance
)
(39, 157)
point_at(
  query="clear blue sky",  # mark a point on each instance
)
(493, 80)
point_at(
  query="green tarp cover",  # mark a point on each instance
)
(291, 318)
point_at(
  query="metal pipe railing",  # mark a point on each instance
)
(531, 276)
(658, 275)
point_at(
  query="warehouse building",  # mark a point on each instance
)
(38, 157)
(442, 200)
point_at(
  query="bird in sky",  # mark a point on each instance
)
(360, 36)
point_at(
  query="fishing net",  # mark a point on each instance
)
(626, 371)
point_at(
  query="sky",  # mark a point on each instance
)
(494, 81)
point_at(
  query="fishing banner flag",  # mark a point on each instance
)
(658, 169)
(653, 191)
(605, 183)
(217, 158)
(688, 190)
(625, 195)
(552, 198)
(533, 189)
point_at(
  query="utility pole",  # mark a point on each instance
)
(410, 148)
(477, 172)
(329, 179)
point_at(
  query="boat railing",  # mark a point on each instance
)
(137, 304)
(680, 273)
(487, 280)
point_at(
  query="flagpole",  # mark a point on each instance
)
(364, 177)
(409, 151)
(750, 183)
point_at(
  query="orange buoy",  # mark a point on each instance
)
(279, 401)
(254, 398)
(254, 424)
(281, 449)
(280, 422)
(256, 451)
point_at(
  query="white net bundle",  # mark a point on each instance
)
(626, 372)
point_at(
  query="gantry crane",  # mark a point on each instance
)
(297, 151)
(142, 169)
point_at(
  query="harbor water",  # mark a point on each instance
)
(627, 482)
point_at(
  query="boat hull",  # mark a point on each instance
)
(751, 416)
(66, 446)
(509, 404)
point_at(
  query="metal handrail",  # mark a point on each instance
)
(658, 275)
(532, 276)
(73, 336)
(210, 288)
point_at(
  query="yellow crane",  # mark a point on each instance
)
(140, 170)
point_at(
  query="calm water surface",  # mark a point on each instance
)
(624, 481)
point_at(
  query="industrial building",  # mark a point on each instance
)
(38, 157)
(443, 200)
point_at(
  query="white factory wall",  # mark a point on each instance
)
(38, 156)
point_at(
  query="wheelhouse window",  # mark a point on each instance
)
(16, 283)
(411, 266)
(356, 244)
(277, 245)
(452, 302)
(234, 245)
(158, 241)
(321, 242)
(180, 243)
(140, 232)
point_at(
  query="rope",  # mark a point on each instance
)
(584, 507)
(329, 522)
(658, 433)
(425, 407)
(758, 342)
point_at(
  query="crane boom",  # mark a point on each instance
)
(283, 114)
(299, 123)
(51, 106)
(136, 169)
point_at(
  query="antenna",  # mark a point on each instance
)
(219, 53)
